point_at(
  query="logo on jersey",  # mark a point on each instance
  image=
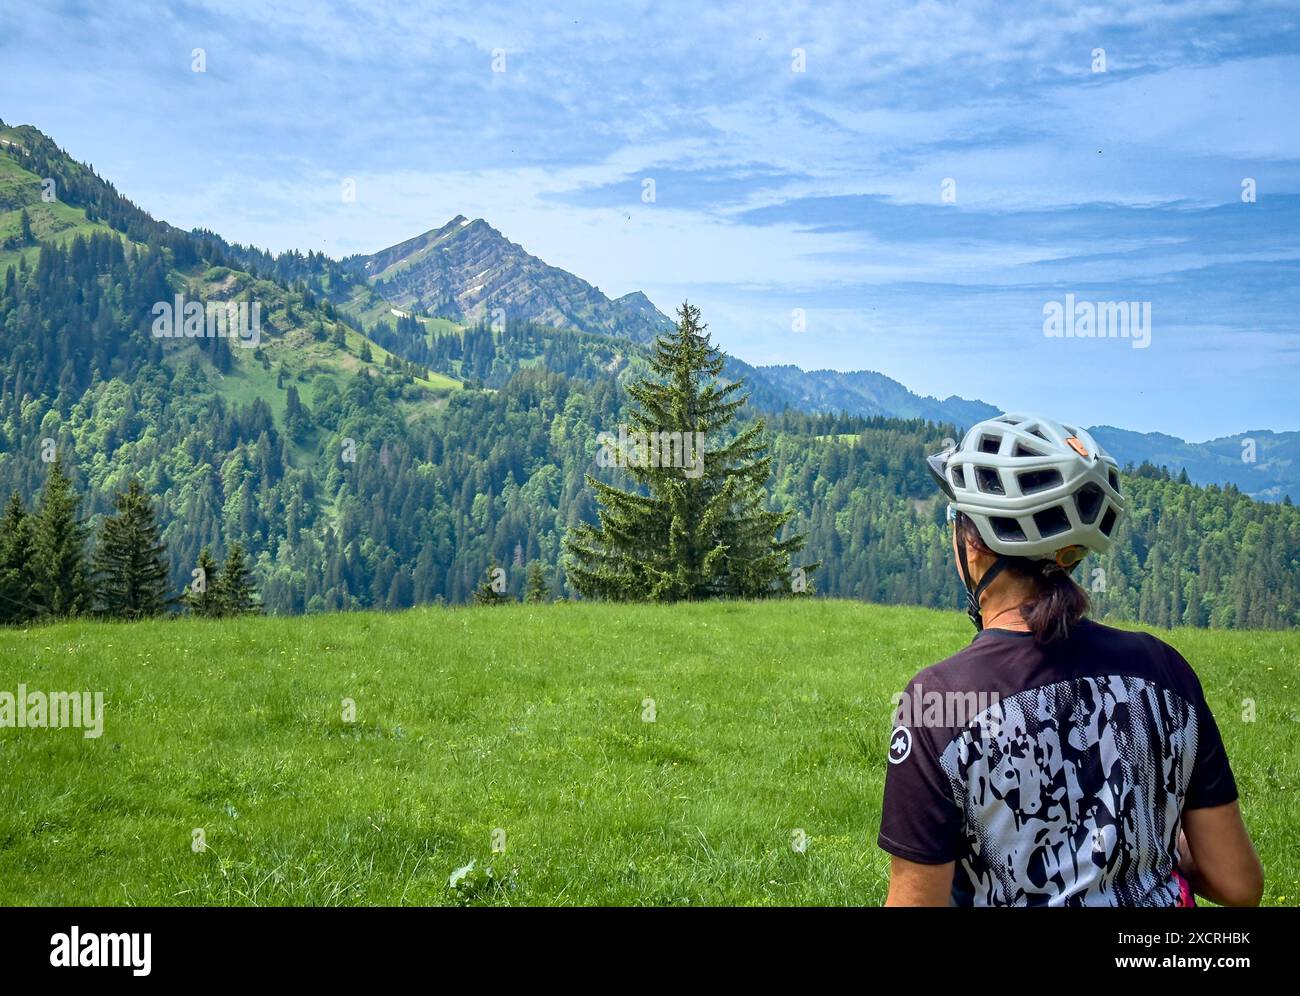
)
(900, 745)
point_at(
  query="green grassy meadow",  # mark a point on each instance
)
(528, 720)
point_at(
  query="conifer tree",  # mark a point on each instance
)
(59, 540)
(536, 590)
(297, 419)
(17, 576)
(235, 593)
(698, 525)
(201, 594)
(130, 569)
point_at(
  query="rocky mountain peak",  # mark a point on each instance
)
(466, 270)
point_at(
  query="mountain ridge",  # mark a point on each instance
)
(468, 271)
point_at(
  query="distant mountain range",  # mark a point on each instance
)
(865, 392)
(466, 269)
(1263, 464)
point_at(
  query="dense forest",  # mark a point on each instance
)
(398, 468)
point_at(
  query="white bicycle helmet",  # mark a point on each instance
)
(1034, 488)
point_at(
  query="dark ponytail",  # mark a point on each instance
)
(1058, 601)
(1059, 604)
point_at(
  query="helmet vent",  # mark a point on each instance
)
(988, 481)
(1039, 434)
(1108, 521)
(1051, 521)
(990, 444)
(1033, 481)
(1088, 500)
(1114, 479)
(959, 477)
(1007, 529)
(1022, 450)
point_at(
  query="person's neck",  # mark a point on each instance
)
(1000, 601)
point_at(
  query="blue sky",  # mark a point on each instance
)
(775, 189)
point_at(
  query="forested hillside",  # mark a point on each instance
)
(398, 466)
(1184, 555)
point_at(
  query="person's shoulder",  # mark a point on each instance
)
(1134, 639)
(1139, 643)
(951, 671)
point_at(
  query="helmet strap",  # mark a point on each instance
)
(975, 591)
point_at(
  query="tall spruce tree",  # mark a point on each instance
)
(130, 569)
(17, 567)
(236, 595)
(537, 590)
(59, 540)
(698, 526)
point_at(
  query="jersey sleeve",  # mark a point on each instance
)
(919, 819)
(1212, 782)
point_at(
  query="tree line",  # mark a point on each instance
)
(49, 569)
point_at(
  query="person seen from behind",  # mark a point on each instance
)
(1093, 773)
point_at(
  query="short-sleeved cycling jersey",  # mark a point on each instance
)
(1053, 774)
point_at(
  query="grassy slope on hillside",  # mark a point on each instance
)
(304, 356)
(770, 717)
(51, 222)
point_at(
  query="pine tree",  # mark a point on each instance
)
(201, 594)
(130, 574)
(219, 348)
(25, 227)
(235, 593)
(297, 420)
(17, 577)
(537, 589)
(699, 526)
(59, 540)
